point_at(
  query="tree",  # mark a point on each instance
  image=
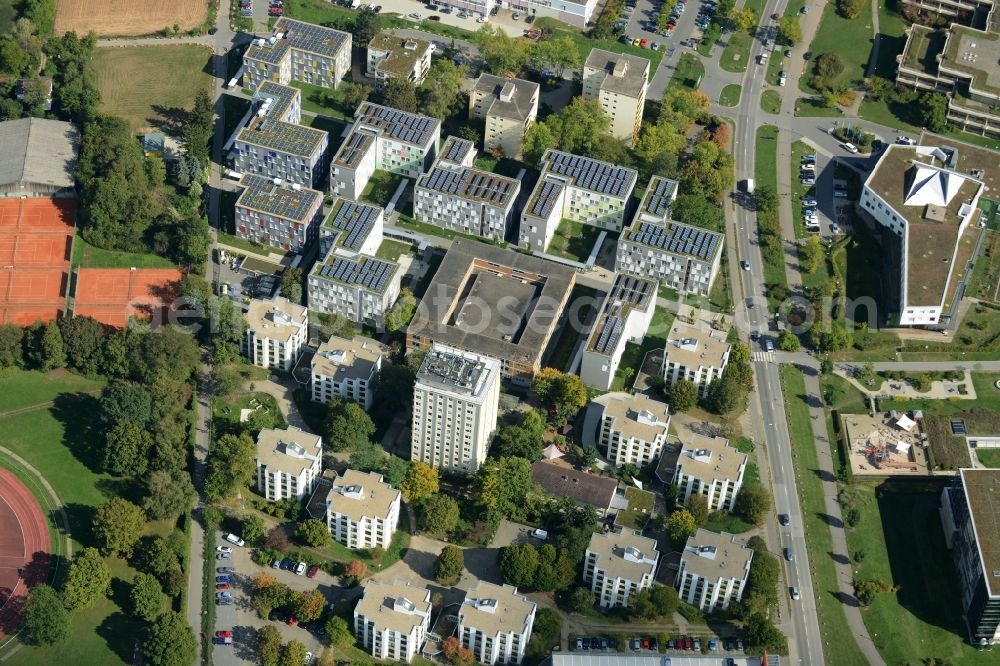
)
(641, 605)
(11, 346)
(449, 565)
(697, 506)
(501, 52)
(743, 19)
(828, 67)
(125, 401)
(420, 483)
(502, 484)
(313, 532)
(789, 30)
(231, 466)
(118, 524)
(88, 580)
(753, 502)
(169, 494)
(518, 564)
(46, 351)
(83, 342)
(253, 529)
(354, 571)
(788, 341)
(277, 539)
(291, 284)
(441, 92)
(581, 599)
(367, 23)
(762, 635)
(402, 311)
(197, 131)
(268, 644)
(170, 641)
(339, 632)
(665, 599)
(158, 558)
(146, 596)
(523, 440)
(563, 394)
(557, 53)
(537, 139)
(126, 449)
(439, 514)
(347, 426)
(309, 605)
(933, 111)
(354, 94)
(680, 525)
(682, 396)
(45, 617)
(399, 94)
(811, 255)
(850, 9)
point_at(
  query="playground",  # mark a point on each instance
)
(889, 444)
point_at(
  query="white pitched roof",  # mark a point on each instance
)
(932, 186)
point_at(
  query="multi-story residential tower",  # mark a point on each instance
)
(970, 512)
(507, 108)
(391, 619)
(494, 623)
(713, 571)
(276, 333)
(288, 463)
(454, 409)
(708, 466)
(577, 188)
(393, 57)
(618, 81)
(633, 428)
(298, 51)
(362, 510)
(680, 256)
(277, 214)
(273, 144)
(618, 564)
(695, 354)
(625, 317)
(386, 139)
(347, 369)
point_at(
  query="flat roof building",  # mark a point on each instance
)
(39, 157)
(695, 354)
(618, 564)
(276, 333)
(391, 56)
(618, 81)
(461, 308)
(633, 428)
(494, 623)
(391, 619)
(288, 463)
(625, 317)
(298, 51)
(507, 107)
(277, 214)
(713, 570)
(708, 466)
(577, 188)
(347, 369)
(362, 510)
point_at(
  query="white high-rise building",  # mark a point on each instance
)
(618, 81)
(708, 466)
(276, 333)
(618, 564)
(347, 369)
(392, 619)
(454, 409)
(494, 623)
(713, 571)
(288, 463)
(362, 510)
(633, 428)
(694, 354)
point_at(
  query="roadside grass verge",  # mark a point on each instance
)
(770, 102)
(813, 107)
(834, 33)
(799, 148)
(730, 95)
(736, 55)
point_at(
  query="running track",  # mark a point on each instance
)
(24, 549)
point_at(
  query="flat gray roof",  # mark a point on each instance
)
(38, 152)
(512, 98)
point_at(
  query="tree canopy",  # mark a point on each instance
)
(502, 484)
(562, 394)
(348, 427)
(231, 466)
(118, 524)
(170, 641)
(45, 617)
(420, 483)
(449, 565)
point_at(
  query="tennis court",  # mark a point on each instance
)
(113, 295)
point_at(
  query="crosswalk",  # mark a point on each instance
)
(762, 357)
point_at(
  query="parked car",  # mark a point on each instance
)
(768, 345)
(645, 643)
(222, 586)
(312, 571)
(225, 570)
(222, 641)
(739, 644)
(579, 643)
(223, 549)
(809, 201)
(300, 568)
(222, 579)
(671, 644)
(849, 147)
(713, 644)
(516, 16)
(291, 620)
(223, 556)
(224, 634)
(654, 644)
(286, 564)
(697, 644)
(635, 644)
(276, 563)
(807, 179)
(223, 595)
(586, 643)
(416, 16)
(232, 538)
(644, 43)
(688, 643)
(905, 140)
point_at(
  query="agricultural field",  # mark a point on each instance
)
(151, 86)
(128, 17)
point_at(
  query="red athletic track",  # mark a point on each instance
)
(24, 549)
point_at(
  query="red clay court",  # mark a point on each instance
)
(36, 239)
(24, 549)
(112, 295)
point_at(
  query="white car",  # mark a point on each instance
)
(849, 147)
(516, 16)
(223, 549)
(481, 19)
(795, 593)
(807, 166)
(223, 556)
(416, 16)
(834, 229)
(300, 568)
(807, 180)
(232, 538)
(905, 140)
(781, 81)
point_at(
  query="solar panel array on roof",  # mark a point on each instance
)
(456, 149)
(355, 220)
(658, 198)
(470, 184)
(310, 37)
(677, 238)
(632, 290)
(353, 148)
(261, 194)
(546, 198)
(594, 175)
(367, 272)
(628, 292)
(611, 330)
(281, 99)
(407, 127)
(443, 180)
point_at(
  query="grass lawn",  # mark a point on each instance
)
(573, 240)
(243, 244)
(640, 508)
(86, 255)
(891, 37)
(407, 222)
(813, 107)
(656, 338)
(392, 250)
(723, 521)
(799, 148)
(589, 300)
(989, 457)
(730, 95)
(152, 85)
(979, 333)
(987, 397)
(233, 110)
(332, 125)
(321, 100)
(924, 617)
(584, 44)
(689, 72)
(226, 410)
(841, 395)
(986, 275)
(775, 64)
(839, 646)
(737, 52)
(709, 39)
(770, 101)
(23, 388)
(834, 32)
(766, 157)
(380, 188)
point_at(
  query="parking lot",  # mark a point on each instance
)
(641, 644)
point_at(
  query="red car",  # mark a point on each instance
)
(645, 643)
(224, 634)
(292, 621)
(644, 43)
(688, 643)
(312, 571)
(222, 586)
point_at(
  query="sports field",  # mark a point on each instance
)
(113, 295)
(128, 17)
(151, 86)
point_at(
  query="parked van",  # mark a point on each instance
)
(232, 538)
(540, 534)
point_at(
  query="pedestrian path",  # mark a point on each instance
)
(763, 357)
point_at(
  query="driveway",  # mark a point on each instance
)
(282, 393)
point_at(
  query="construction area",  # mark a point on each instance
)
(887, 444)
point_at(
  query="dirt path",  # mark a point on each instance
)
(37, 406)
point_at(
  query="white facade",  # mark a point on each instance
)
(288, 463)
(392, 619)
(713, 571)
(618, 564)
(455, 402)
(633, 428)
(495, 622)
(618, 82)
(347, 369)
(708, 466)
(625, 317)
(362, 510)
(507, 107)
(276, 333)
(696, 355)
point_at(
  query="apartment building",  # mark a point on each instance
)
(276, 333)
(277, 214)
(575, 13)
(298, 51)
(288, 463)
(696, 354)
(347, 279)
(680, 256)
(928, 196)
(507, 107)
(393, 57)
(347, 369)
(632, 429)
(713, 570)
(362, 510)
(708, 466)
(386, 139)
(465, 199)
(625, 317)
(455, 402)
(618, 564)
(577, 188)
(494, 623)
(979, 10)
(618, 81)
(970, 512)
(273, 144)
(392, 618)
(457, 153)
